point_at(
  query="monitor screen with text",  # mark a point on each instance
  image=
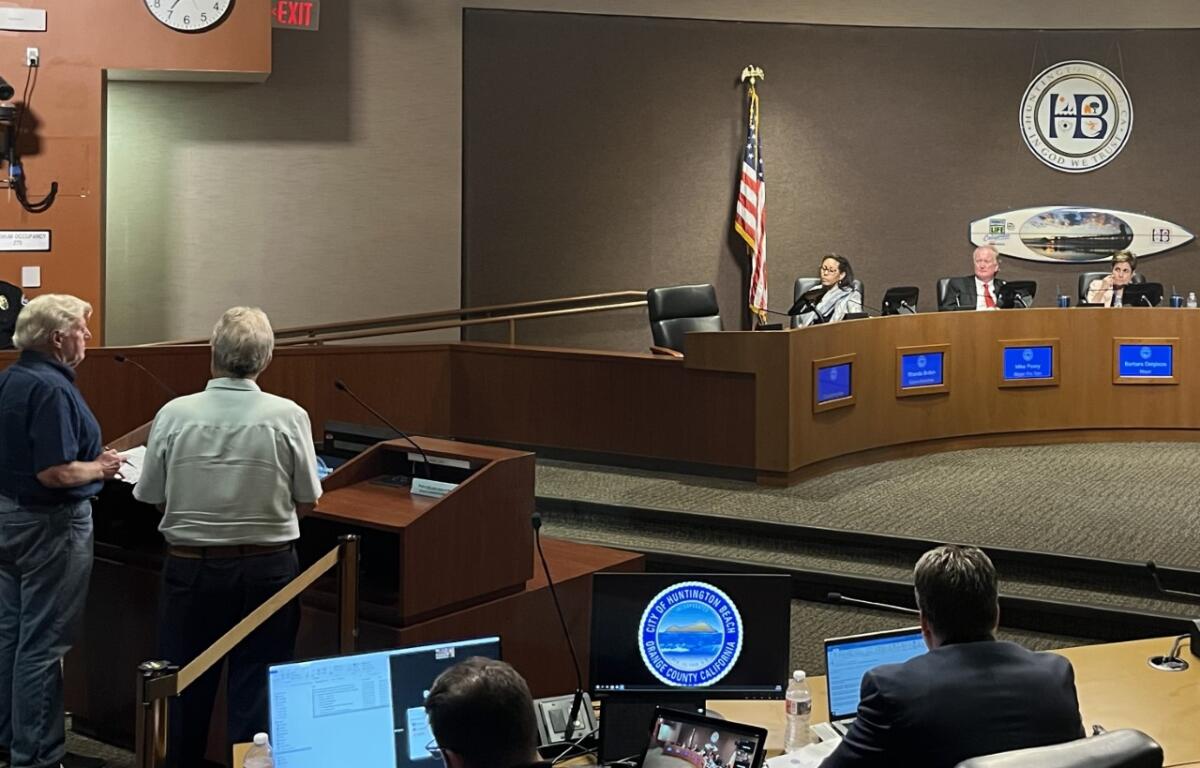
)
(366, 709)
(847, 659)
(922, 369)
(1145, 360)
(833, 382)
(1034, 362)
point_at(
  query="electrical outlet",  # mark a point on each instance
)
(33, 57)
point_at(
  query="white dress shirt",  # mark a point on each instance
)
(979, 302)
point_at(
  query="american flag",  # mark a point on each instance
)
(750, 219)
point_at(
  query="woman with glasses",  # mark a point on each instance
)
(835, 297)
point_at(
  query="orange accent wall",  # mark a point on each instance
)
(62, 138)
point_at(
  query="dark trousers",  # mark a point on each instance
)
(201, 600)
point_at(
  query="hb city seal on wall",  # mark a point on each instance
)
(1076, 116)
(690, 634)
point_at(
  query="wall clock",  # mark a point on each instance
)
(190, 15)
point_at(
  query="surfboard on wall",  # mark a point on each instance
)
(1074, 234)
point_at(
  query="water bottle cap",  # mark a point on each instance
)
(798, 675)
(260, 739)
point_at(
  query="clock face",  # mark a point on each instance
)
(190, 15)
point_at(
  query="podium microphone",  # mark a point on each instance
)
(341, 385)
(576, 702)
(838, 597)
(148, 372)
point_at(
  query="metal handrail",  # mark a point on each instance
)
(448, 318)
(161, 681)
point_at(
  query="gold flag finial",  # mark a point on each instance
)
(753, 73)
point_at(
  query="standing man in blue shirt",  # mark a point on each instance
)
(51, 465)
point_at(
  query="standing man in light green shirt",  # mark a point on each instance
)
(233, 469)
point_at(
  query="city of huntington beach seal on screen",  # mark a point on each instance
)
(690, 634)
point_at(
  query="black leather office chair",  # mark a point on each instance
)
(678, 310)
(943, 285)
(1086, 279)
(1126, 748)
(806, 284)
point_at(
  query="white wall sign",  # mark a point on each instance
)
(1076, 116)
(1075, 233)
(24, 239)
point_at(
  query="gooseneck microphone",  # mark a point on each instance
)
(341, 386)
(576, 702)
(148, 372)
(838, 597)
(1193, 624)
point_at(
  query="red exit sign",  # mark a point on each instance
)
(296, 14)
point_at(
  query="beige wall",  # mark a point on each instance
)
(333, 190)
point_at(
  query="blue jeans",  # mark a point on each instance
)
(45, 565)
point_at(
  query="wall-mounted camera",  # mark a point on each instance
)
(11, 119)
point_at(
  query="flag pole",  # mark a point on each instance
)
(750, 213)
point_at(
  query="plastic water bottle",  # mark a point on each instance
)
(799, 709)
(259, 755)
(1191, 302)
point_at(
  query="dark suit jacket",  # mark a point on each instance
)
(964, 289)
(961, 701)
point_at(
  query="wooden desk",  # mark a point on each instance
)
(1117, 689)
(792, 441)
(739, 401)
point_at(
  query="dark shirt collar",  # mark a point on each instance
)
(33, 357)
(965, 640)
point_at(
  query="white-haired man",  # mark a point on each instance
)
(977, 291)
(51, 464)
(233, 469)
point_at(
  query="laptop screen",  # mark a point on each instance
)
(366, 709)
(847, 659)
(686, 739)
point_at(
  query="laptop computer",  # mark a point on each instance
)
(361, 710)
(680, 738)
(847, 659)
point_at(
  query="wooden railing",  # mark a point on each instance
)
(451, 318)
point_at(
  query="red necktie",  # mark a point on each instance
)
(988, 301)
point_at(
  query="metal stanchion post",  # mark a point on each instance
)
(156, 684)
(348, 594)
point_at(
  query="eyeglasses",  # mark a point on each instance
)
(434, 750)
(830, 270)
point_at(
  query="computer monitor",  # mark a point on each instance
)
(681, 639)
(1016, 294)
(901, 300)
(1142, 295)
(726, 635)
(366, 709)
(847, 659)
(684, 738)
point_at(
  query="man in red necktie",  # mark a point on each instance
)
(977, 291)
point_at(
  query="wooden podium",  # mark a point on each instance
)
(431, 556)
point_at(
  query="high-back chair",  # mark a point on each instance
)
(1125, 748)
(678, 310)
